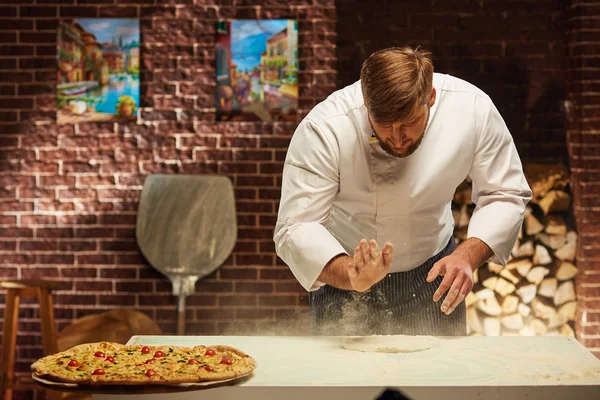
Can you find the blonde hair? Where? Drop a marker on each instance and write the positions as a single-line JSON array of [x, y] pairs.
[[394, 81]]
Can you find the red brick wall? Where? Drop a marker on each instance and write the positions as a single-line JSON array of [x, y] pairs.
[[584, 149], [68, 194], [514, 50]]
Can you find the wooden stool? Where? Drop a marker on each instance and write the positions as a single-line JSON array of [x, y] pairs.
[[15, 289]]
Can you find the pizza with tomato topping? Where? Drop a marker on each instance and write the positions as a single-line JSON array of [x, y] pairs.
[[107, 363]]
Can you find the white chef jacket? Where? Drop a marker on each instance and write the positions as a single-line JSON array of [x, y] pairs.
[[339, 186]]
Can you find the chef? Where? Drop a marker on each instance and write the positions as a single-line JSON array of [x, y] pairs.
[[365, 221]]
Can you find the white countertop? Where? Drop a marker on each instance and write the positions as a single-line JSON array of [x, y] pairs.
[[462, 365]]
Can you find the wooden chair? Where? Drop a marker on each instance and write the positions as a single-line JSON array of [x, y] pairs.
[[15, 289]]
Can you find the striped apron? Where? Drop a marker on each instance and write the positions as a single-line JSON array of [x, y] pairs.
[[400, 304]]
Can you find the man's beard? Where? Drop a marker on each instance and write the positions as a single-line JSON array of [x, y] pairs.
[[413, 147], [387, 148]]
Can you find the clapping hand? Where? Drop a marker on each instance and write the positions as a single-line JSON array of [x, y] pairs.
[[370, 265]]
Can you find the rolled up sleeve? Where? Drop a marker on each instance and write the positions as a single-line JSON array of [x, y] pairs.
[[500, 190], [309, 185]]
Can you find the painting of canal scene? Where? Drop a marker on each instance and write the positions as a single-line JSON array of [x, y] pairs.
[[98, 70], [257, 70]]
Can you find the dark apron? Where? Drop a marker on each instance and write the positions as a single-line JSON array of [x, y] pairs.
[[401, 304]]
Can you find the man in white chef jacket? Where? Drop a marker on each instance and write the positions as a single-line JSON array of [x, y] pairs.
[[365, 221]]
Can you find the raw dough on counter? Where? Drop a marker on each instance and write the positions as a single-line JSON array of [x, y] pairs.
[[388, 343]]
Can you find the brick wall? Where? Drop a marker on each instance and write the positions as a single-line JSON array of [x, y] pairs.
[[68, 194], [514, 50], [584, 149]]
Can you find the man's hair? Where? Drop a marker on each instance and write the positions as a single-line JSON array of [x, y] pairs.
[[394, 81]]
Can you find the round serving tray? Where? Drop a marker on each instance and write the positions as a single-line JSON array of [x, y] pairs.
[[136, 388]]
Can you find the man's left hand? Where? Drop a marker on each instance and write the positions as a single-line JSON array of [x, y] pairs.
[[458, 277]]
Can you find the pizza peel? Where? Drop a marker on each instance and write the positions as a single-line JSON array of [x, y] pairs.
[[186, 228]]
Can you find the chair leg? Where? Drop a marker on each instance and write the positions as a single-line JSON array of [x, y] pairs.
[[9, 342], [47, 321], [48, 331]]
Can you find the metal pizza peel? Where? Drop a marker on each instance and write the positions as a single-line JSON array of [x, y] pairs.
[[186, 228]]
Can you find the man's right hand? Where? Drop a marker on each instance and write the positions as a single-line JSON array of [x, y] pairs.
[[370, 265]]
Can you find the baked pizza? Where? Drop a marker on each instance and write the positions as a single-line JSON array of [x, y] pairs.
[[107, 363]]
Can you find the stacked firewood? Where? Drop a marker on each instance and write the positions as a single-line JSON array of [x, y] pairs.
[[534, 294]]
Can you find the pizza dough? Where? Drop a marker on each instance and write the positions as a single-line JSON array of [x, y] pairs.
[[388, 343]]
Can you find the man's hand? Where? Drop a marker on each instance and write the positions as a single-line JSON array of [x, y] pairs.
[[457, 270], [370, 265], [458, 277]]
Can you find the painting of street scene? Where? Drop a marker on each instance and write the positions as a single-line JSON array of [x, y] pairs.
[[257, 70], [98, 70]]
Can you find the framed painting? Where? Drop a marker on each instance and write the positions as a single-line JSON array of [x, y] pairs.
[[98, 70], [257, 70]]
